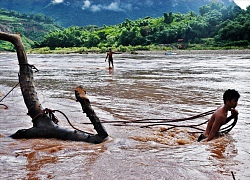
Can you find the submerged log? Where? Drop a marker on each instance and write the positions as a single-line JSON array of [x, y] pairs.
[[43, 125]]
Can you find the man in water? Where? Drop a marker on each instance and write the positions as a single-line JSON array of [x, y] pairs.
[[110, 57], [219, 117]]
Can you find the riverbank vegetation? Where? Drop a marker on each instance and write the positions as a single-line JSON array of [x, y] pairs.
[[215, 27]]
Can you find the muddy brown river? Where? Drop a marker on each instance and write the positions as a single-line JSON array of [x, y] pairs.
[[144, 85]]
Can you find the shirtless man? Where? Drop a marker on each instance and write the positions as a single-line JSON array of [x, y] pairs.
[[219, 117], [110, 57]]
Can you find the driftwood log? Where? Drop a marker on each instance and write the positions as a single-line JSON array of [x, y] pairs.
[[43, 125]]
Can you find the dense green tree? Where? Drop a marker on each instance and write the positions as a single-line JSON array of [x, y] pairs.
[[168, 18], [131, 37], [93, 40], [232, 32]]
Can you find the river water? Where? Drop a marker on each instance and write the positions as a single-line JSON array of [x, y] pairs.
[[143, 85]]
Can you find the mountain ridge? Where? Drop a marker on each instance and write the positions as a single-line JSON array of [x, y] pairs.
[[82, 13]]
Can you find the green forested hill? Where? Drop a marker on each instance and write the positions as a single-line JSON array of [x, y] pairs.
[[32, 27], [104, 12], [216, 26]]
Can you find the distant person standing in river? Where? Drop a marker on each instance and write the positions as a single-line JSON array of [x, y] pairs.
[[110, 57], [219, 117]]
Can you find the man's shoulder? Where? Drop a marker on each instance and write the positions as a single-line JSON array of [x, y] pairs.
[[220, 117]]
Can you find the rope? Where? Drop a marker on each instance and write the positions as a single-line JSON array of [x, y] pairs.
[[177, 120], [227, 129], [156, 122], [9, 92], [170, 122], [32, 66], [51, 115], [5, 107], [233, 175]]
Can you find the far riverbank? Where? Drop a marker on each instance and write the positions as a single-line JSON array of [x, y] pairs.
[[176, 52], [231, 51]]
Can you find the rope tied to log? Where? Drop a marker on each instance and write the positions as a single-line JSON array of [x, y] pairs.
[[51, 115], [30, 65], [48, 112]]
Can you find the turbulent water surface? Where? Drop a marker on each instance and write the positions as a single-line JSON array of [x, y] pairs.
[[144, 85]]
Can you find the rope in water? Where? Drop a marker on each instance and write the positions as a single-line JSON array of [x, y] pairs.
[[172, 123], [6, 107], [9, 92], [157, 121]]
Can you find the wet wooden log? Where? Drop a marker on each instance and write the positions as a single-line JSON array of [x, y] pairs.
[[43, 125]]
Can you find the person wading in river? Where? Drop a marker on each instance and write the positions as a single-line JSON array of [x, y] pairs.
[[110, 57], [219, 117]]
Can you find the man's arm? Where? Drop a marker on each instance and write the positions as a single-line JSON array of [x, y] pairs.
[[106, 57], [215, 128]]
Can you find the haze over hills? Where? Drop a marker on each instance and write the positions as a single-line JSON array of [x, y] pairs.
[[98, 12]]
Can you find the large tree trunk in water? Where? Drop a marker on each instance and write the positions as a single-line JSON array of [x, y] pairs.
[[43, 125]]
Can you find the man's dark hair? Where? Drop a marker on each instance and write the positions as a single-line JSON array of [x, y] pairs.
[[230, 94]]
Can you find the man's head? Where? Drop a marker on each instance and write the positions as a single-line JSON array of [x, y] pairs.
[[230, 94]]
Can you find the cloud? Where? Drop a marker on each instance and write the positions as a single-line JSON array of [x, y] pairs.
[[86, 4], [57, 1], [96, 8], [116, 5]]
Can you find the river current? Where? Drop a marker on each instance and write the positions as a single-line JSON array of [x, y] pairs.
[[145, 85]]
